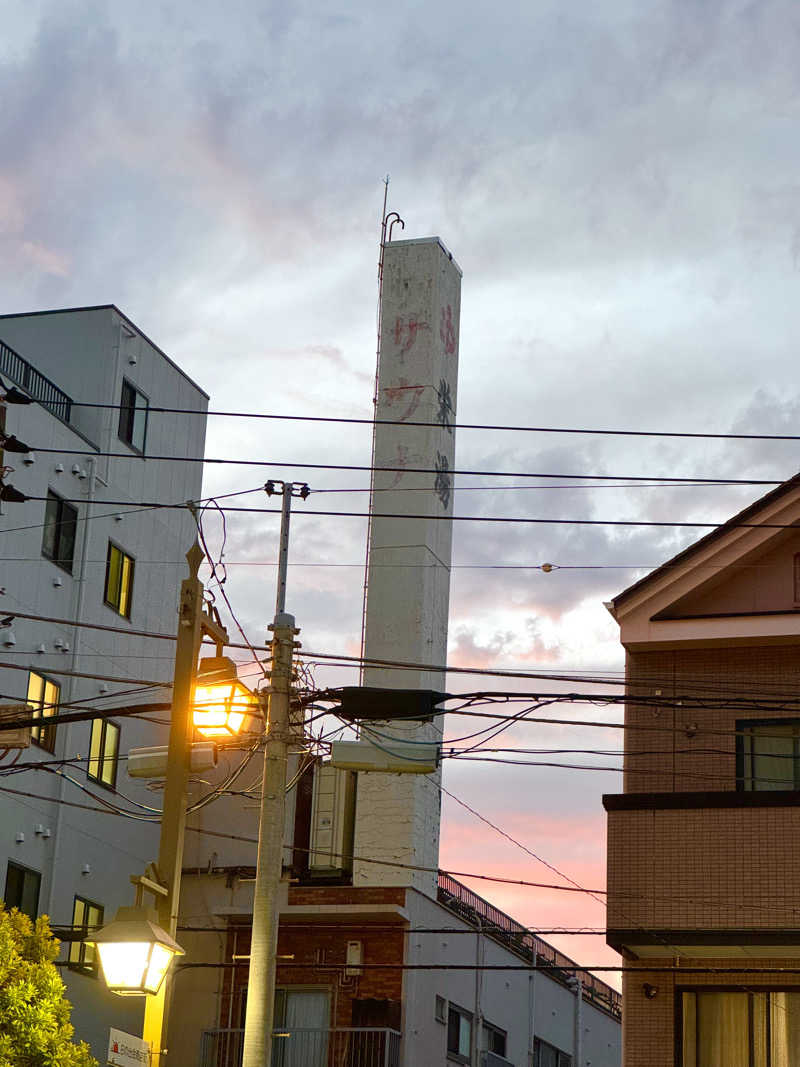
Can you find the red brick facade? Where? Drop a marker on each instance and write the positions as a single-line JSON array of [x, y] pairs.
[[312, 952]]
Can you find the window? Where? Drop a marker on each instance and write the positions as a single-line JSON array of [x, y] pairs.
[[119, 580], [494, 1039], [301, 1010], [103, 752], [22, 889], [740, 1028], [133, 416], [43, 697], [768, 754], [58, 540], [459, 1034], [86, 917], [545, 1055]]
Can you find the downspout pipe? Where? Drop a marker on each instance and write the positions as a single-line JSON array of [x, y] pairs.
[[76, 640]]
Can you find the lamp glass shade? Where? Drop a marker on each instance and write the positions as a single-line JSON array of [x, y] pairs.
[[221, 702], [134, 952]]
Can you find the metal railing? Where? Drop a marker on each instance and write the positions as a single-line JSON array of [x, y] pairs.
[[34, 382], [358, 1046], [501, 927]]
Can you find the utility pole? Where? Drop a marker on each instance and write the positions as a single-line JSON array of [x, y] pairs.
[[259, 1015], [192, 624]]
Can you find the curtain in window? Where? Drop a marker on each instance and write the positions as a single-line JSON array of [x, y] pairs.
[[741, 1029], [306, 1018]]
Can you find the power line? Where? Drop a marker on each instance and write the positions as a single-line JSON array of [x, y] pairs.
[[124, 712], [93, 626], [95, 677], [366, 468], [492, 519], [352, 421], [518, 844]]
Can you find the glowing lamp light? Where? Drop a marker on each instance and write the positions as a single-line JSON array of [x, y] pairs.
[[222, 704], [135, 952]]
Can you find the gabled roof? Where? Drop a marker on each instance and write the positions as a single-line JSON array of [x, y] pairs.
[[745, 517]]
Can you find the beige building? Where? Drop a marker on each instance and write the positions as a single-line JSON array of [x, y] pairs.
[[704, 842]]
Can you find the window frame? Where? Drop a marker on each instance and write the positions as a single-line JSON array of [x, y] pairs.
[[25, 871], [491, 1034], [103, 758], [563, 1059], [750, 990], [43, 736], [59, 524], [116, 603], [127, 416], [454, 1054], [79, 951], [744, 752]]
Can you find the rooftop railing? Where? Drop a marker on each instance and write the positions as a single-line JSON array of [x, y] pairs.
[[507, 931], [35, 383]]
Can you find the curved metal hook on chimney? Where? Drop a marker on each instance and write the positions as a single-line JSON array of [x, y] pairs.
[[391, 225]]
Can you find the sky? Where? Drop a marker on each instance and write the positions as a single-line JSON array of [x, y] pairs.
[[620, 184]]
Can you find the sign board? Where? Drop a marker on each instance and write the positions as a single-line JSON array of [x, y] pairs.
[[20, 737], [124, 1050]]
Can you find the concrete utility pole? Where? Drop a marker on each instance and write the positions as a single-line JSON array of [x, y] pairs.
[[192, 623], [259, 1016]]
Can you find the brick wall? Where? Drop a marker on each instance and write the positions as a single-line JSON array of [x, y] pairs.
[[704, 868], [321, 946], [345, 894], [649, 1026], [677, 749]]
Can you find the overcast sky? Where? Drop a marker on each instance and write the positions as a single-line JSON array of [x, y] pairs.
[[620, 185]]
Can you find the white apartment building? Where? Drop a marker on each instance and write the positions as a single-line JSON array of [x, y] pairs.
[[83, 550]]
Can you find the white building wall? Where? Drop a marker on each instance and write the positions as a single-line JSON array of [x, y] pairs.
[[89, 852], [509, 1000], [397, 816]]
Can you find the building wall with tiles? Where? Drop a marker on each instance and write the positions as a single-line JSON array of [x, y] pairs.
[[651, 1027], [704, 868], [690, 748]]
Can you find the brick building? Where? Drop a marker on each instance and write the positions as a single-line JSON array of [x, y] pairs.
[[703, 844]]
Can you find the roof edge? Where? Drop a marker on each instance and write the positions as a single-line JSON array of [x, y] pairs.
[[122, 315], [725, 527]]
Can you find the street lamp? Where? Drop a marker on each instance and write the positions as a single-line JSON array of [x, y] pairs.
[[135, 952], [221, 702]]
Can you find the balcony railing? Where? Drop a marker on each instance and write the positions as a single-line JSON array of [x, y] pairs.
[[501, 927], [298, 1047], [34, 382]]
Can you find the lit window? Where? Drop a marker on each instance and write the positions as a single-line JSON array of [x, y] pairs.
[[119, 580], [43, 697], [86, 918], [459, 1034], [103, 752], [58, 540], [133, 410], [22, 889], [768, 754]]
